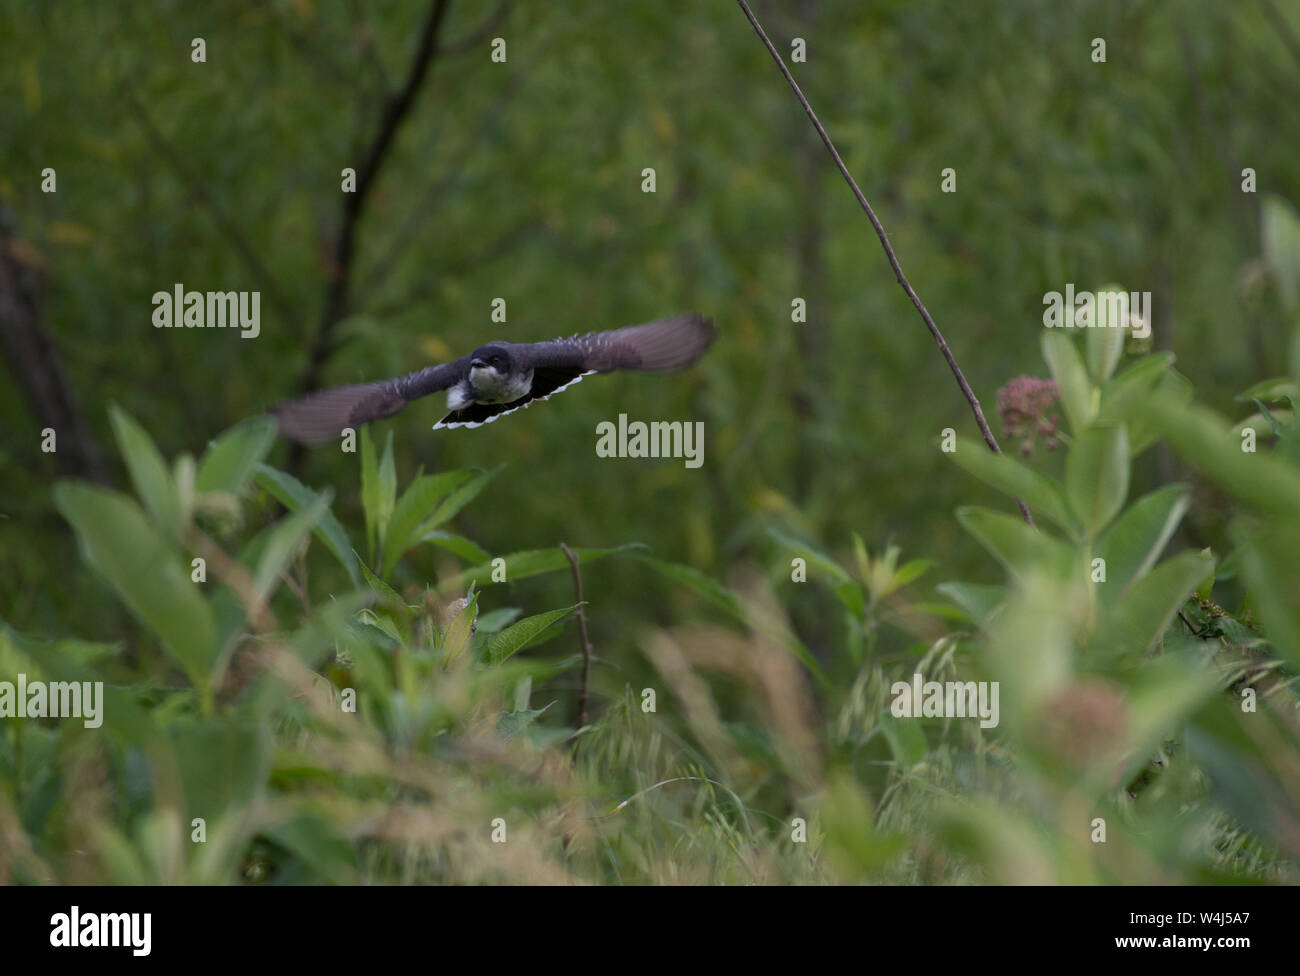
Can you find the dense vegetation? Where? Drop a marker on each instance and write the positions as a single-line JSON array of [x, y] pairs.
[[375, 672]]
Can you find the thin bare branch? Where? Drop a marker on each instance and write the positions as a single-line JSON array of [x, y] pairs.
[[884, 242], [395, 112]]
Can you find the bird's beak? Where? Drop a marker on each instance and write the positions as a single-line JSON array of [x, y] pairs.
[[477, 364]]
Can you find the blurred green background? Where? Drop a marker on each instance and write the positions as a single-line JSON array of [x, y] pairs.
[[522, 180]]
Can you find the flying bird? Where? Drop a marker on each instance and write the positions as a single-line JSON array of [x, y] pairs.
[[499, 378]]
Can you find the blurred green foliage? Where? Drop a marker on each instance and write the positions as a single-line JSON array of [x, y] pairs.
[[522, 180]]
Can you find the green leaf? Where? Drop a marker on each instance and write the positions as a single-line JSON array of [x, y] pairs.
[[294, 496], [459, 631], [1133, 625], [420, 500], [387, 489], [1133, 544], [976, 599], [1018, 480], [1272, 571], [229, 461], [496, 620], [149, 473], [1096, 476], [1019, 547], [465, 548], [501, 646], [379, 586], [1280, 230], [1067, 369], [529, 562], [315, 841], [1123, 397], [1104, 343], [1200, 436], [458, 499], [283, 542], [905, 737], [1274, 390], [846, 588], [703, 584], [120, 545], [369, 492]]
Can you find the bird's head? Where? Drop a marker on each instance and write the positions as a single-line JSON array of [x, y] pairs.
[[493, 360]]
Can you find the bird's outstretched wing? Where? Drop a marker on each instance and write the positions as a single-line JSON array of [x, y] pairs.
[[660, 346], [320, 417]]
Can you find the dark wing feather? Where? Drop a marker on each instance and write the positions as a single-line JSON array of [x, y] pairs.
[[546, 380], [660, 346], [320, 417]]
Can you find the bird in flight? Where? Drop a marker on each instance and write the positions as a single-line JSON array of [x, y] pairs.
[[499, 378]]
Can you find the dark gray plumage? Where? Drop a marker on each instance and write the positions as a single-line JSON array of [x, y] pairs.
[[499, 378]]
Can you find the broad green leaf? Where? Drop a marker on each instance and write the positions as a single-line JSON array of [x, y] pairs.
[[905, 737], [1104, 343], [457, 499], [1274, 390], [1067, 369], [1133, 544], [1280, 230], [379, 586], [283, 541], [846, 588], [1200, 436], [459, 631], [294, 496], [1019, 547], [1096, 476], [370, 503], [386, 492], [1124, 396], [976, 599], [120, 545], [703, 584], [529, 562], [497, 620], [229, 461], [223, 764], [420, 500], [149, 473], [121, 715], [501, 646], [465, 548], [1018, 480], [309, 836], [1143, 430], [1270, 562], [1133, 625]]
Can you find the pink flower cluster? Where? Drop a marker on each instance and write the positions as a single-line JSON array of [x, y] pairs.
[[1023, 406]]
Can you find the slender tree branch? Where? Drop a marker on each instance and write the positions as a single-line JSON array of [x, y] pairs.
[[338, 296], [33, 358], [582, 635], [435, 192], [884, 242]]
